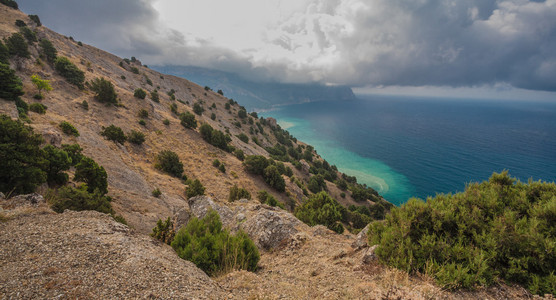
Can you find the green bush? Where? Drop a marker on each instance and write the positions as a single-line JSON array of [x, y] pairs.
[[143, 113], [495, 229], [48, 50], [166, 122], [239, 154], [242, 113], [237, 193], [243, 137], [255, 164], [74, 152], [316, 184], [35, 19], [142, 122], [169, 162], [136, 137], [156, 193], [216, 163], [17, 46], [114, 133], [214, 250], [195, 188], [155, 97], [222, 168], [68, 129], [29, 34], [79, 199], [321, 209], [273, 178], [134, 70], [266, 198], [187, 120], [164, 231], [198, 109], [10, 3], [22, 160], [69, 71], [104, 91], [10, 85], [4, 54], [20, 23], [213, 116], [94, 175], [57, 161], [214, 137], [139, 93], [85, 105]]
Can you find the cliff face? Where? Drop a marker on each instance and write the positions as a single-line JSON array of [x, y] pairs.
[[88, 255]]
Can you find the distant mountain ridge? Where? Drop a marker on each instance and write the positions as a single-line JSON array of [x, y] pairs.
[[258, 95]]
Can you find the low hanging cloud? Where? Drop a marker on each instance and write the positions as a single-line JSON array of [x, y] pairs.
[[353, 42]]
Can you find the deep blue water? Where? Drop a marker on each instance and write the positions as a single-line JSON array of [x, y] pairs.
[[416, 147]]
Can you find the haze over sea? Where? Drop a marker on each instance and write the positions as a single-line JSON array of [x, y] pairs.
[[416, 147]]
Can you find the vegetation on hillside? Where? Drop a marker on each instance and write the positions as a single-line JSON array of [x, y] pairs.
[[498, 229]]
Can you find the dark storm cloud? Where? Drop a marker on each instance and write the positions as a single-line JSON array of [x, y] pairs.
[[355, 42]]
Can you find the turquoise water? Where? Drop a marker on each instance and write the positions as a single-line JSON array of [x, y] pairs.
[[405, 147]]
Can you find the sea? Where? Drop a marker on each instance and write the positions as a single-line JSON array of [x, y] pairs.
[[407, 147]]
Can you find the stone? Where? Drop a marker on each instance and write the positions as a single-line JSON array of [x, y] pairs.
[[201, 205], [52, 137], [33, 199], [361, 239], [269, 228], [369, 255], [180, 218]]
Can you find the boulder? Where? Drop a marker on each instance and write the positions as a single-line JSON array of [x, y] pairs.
[[52, 137], [180, 218], [361, 239], [201, 205], [369, 255], [268, 228], [33, 199]]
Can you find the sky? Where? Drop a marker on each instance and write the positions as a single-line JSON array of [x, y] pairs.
[[371, 45]]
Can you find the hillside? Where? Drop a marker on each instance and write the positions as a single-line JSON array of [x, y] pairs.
[[259, 95], [88, 254]]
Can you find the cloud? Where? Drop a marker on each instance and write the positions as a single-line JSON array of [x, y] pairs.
[[354, 42]]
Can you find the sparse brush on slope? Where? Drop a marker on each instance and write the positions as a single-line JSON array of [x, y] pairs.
[[496, 229]]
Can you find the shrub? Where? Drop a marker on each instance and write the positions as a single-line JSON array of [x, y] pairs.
[[48, 50], [316, 184], [29, 34], [79, 199], [242, 113], [142, 122], [196, 188], [273, 178], [156, 193], [4, 54], [104, 91], [20, 23], [164, 231], [68, 129], [85, 105], [74, 152], [69, 71], [17, 46], [154, 96], [495, 229], [148, 80], [198, 109], [237, 193], [214, 137], [220, 92], [22, 159], [216, 163], [139, 93], [255, 164], [88, 171], [10, 85], [10, 3], [41, 84], [213, 116], [114, 133], [227, 106], [239, 154], [143, 113], [321, 209], [136, 137], [166, 122], [35, 19], [169, 162], [134, 70], [214, 250], [243, 137], [38, 108], [222, 168], [57, 162], [187, 120], [266, 198]]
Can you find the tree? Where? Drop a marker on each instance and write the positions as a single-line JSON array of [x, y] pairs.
[[255, 164], [196, 188], [88, 171], [10, 85], [188, 120], [21, 159], [35, 19], [57, 162], [48, 50], [17, 46], [10, 3], [41, 84], [4, 54], [237, 193], [273, 178], [104, 90], [69, 71], [198, 109], [242, 113], [169, 162]]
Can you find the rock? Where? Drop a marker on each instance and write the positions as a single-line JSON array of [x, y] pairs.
[[321, 230], [52, 137], [33, 199], [272, 122], [369, 255], [269, 228], [180, 218], [361, 239], [200, 206], [304, 166], [240, 217]]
